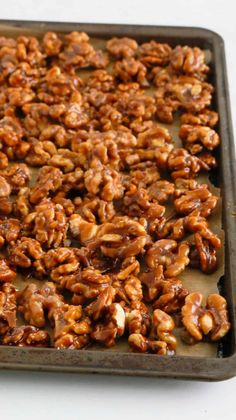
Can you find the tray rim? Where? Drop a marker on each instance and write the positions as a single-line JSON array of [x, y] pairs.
[[187, 367]]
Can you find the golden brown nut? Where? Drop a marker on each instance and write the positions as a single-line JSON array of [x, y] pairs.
[[188, 60], [9, 230], [170, 254], [217, 306], [137, 318], [122, 47], [164, 325], [51, 44], [86, 284], [26, 336], [49, 179], [33, 302], [113, 326], [17, 175], [7, 307], [205, 117], [48, 223], [197, 137], [154, 54], [200, 321], [24, 252], [71, 328], [120, 239], [141, 344], [6, 273]]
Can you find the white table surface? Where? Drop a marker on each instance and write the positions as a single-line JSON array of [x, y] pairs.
[[43, 396]]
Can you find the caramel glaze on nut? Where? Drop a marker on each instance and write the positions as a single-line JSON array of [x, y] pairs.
[[87, 177]]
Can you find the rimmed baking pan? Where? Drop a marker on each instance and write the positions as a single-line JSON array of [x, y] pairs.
[[223, 365]]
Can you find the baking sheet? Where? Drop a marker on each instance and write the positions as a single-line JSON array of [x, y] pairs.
[[116, 362]]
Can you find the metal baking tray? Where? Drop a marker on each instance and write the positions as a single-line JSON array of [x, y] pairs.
[[223, 366]]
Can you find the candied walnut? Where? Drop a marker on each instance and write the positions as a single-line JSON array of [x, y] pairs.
[[122, 47], [200, 199], [165, 109], [61, 262], [129, 289], [49, 180], [7, 307], [24, 252], [55, 133], [183, 165], [152, 281], [141, 344], [17, 175], [161, 191], [135, 104], [103, 147], [129, 266], [6, 273], [9, 230], [154, 53], [164, 325], [28, 49], [48, 223], [36, 118], [171, 296], [200, 321], [25, 76], [6, 206], [188, 60], [5, 188], [197, 137], [170, 254], [86, 284], [204, 255], [22, 205], [65, 160], [26, 336], [99, 59], [97, 308], [76, 51], [93, 209], [33, 302], [51, 44], [205, 117], [19, 96], [11, 131], [100, 80], [72, 181], [130, 69], [71, 329], [217, 306], [105, 181], [112, 327], [155, 145], [182, 92], [136, 203], [143, 174], [81, 229], [3, 161], [66, 203], [137, 318], [122, 238], [58, 85], [40, 152]]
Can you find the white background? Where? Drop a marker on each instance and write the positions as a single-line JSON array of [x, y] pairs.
[[42, 396]]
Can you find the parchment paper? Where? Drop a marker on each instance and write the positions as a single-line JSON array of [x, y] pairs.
[[194, 280]]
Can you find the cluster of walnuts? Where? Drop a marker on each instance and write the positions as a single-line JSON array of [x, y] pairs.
[[92, 224]]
